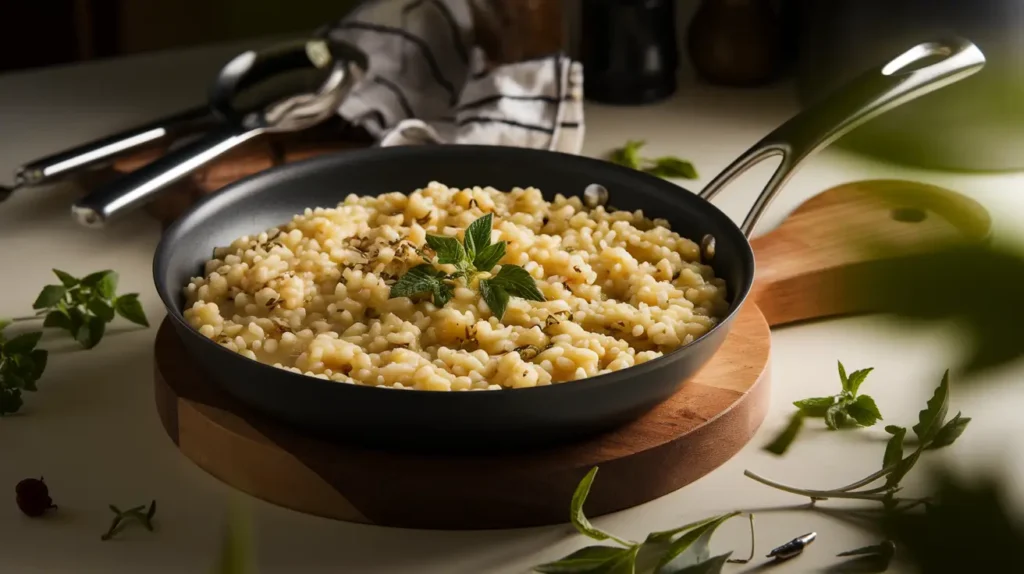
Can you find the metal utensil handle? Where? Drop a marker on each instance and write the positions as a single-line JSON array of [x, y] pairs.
[[867, 96], [97, 152], [138, 187]]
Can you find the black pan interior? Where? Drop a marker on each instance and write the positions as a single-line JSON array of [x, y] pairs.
[[390, 417]]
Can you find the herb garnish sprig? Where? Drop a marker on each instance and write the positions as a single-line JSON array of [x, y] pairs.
[[122, 518], [474, 256], [664, 167], [845, 409], [83, 307], [682, 549], [21, 365], [933, 432]]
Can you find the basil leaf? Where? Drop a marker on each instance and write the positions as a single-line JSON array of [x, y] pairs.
[[442, 292], [90, 332], [10, 401], [67, 279], [691, 548], [517, 282], [449, 250], [103, 282], [591, 559], [490, 256], [894, 448], [495, 297], [931, 418], [672, 167], [856, 379], [57, 319], [815, 407], [22, 344], [76, 318], [835, 416], [129, 307], [628, 155], [782, 442], [49, 296], [951, 431], [101, 309], [478, 237], [579, 520], [419, 279], [710, 566], [864, 410]]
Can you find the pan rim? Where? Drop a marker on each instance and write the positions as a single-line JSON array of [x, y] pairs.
[[228, 195]]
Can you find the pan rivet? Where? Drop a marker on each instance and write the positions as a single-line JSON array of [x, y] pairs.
[[595, 195], [707, 247]]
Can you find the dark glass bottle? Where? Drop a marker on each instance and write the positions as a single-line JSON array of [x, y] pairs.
[[629, 51]]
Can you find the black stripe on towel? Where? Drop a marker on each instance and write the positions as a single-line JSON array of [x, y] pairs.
[[435, 69], [391, 87], [536, 128], [449, 17], [491, 99]]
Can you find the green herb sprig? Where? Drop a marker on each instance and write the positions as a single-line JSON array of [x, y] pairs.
[[21, 365], [933, 432], [474, 256], [122, 518], [83, 307], [683, 549], [845, 409], [664, 167]]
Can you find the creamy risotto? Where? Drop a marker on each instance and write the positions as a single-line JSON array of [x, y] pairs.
[[312, 296]]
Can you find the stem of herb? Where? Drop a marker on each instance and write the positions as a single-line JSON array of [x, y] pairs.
[[30, 318], [815, 494], [751, 557], [869, 479]]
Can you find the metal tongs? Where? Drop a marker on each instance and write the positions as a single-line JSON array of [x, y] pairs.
[[285, 88]]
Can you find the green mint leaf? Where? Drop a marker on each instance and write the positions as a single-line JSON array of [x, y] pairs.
[[592, 559], [489, 256], [628, 155], [856, 379], [90, 332], [10, 400], [443, 293], [843, 379], [951, 431], [693, 547], [666, 536], [39, 358], [672, 167], [419, 279], [712, 565], [931, 418], [893, 429], [104, 282], [495, 296], [449, 250], [835, 416], [77, 318], [101, 309], [478, 237], [894, 448], [905, 465], [781, 443], [579, 519], [815, 407], [129, 307], [863, 410], [57, 319], [49, 296], [67, 279], [22, 344], [517, 282]]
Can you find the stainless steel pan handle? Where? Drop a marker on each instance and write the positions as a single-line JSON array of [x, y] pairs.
[[867, 96]]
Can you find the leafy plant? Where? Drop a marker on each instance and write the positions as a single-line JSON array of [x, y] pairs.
[[473, 257], [933, 432], [122, 518], [684, 549], [842, 410], [664, 167], [21, 365], [83, 307]]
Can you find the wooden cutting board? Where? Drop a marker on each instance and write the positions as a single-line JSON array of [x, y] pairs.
[[801, 269]]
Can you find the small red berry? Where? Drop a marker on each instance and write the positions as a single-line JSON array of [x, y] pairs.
[[33, 497]]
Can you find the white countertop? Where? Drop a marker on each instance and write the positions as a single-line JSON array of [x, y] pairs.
[[93, 433]]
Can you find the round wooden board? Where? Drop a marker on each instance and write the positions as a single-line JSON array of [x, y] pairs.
[[702, 426]]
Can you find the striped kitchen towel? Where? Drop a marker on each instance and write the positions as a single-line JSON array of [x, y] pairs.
[[428, 84]]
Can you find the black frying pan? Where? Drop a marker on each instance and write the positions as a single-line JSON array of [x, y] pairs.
[[518, 417]]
